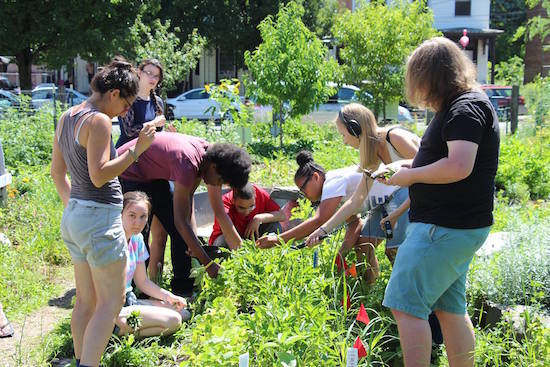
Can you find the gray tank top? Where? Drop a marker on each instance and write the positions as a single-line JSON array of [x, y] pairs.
[[76, 159]]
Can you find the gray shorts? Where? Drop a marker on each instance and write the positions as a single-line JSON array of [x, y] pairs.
[[372, 227], [93, 232]]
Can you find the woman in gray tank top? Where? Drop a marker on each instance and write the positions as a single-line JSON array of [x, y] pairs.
[[91, 226]]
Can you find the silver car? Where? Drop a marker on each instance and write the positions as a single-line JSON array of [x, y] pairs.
[[44, 96]]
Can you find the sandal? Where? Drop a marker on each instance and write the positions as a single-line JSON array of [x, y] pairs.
[[6, 330]]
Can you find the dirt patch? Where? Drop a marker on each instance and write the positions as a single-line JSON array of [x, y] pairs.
[[17, 350]]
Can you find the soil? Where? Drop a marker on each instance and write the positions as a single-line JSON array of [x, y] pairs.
[[17, 350]]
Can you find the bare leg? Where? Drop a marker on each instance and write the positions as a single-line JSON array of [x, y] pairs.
[[391, 253], [415, 338], [108, 282], [155, 320], [84, 305], [459, 337], [365, 249], [157, 247]]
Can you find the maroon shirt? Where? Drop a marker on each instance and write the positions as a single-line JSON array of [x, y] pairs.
[[171, 156]]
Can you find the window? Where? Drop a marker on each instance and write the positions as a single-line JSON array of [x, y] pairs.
[[463, 7], [198, 94]]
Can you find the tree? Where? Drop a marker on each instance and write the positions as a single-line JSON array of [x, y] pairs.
[[290, 65], [511, 17], [156, 41], [376, 39], [55, 31]]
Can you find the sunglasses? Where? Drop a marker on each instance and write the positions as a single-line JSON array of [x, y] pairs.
[[152, 75]]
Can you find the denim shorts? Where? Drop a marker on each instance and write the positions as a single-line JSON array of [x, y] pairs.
[[430, 269], [372, 227], [93, 232]]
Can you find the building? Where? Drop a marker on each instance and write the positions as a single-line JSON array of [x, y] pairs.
[[452, 17]]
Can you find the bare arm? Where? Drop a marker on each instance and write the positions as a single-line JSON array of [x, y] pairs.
[[182, 215], [151, 289], [58, 171], [349, 208], [455, 167], [98, 140], [326, 209], [232, 237]]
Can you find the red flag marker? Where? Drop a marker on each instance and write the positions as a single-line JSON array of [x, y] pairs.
[[339, 260], [352, 271], [348, 303], [362, 315], [361, 351]]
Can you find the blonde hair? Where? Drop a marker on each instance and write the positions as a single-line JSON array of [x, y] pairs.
[[436, 72], [368, 139]]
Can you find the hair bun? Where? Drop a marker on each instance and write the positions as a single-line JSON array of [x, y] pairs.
[[120, 62], [304, 157]]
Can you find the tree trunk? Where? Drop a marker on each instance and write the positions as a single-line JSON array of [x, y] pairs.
[[24, 65], [281, 117]]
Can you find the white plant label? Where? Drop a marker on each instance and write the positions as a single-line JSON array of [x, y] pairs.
[[352, 357], [244, 360]]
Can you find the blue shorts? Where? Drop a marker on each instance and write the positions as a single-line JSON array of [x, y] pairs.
[[372, 227], [430, 269], [93, 232]]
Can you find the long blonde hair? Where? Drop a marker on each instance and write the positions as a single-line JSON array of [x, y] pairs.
[[436, 72], [368, 139]]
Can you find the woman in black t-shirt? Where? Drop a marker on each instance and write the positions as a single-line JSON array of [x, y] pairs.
[[451, 187]]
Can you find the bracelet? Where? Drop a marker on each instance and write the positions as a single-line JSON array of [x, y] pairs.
[[133, 154], [324, 230], [207, 265]]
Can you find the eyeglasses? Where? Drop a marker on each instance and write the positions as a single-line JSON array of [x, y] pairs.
[[152, 75], [302, 187], [127, 102]]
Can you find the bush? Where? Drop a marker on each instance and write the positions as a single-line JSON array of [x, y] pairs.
[[518, 274], [524, 164], [26, 138]]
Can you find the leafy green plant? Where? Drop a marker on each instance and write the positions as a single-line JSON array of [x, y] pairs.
[[376, 63], [289, 66]]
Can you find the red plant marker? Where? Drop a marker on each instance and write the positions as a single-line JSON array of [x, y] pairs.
[[348, 303], [361, 351], [339, 265], [362, 315], [352, 271]]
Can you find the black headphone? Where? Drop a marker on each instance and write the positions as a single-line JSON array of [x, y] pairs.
[[353, 127]]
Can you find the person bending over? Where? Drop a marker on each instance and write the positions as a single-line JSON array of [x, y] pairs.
[[186, 160]]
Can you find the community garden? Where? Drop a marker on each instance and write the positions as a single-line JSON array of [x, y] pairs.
[[286, 306], [282, 306]]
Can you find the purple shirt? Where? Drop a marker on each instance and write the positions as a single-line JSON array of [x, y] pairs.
[[171, 156]]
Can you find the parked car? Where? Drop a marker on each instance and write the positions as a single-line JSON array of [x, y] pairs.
[[193, 104], [501, 96], [44, 95], [7, 100], [6, 84], [44, 85], [344, 95]]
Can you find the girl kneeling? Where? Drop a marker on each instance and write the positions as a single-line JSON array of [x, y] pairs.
[[163, 314]]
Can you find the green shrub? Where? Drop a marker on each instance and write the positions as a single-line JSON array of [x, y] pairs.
[[524, 163], [26, 138]]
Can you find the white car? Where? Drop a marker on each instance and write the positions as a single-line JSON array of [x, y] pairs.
[[194, 104], [44, 96]]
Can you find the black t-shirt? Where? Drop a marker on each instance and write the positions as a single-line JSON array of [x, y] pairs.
[[467, 203]]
